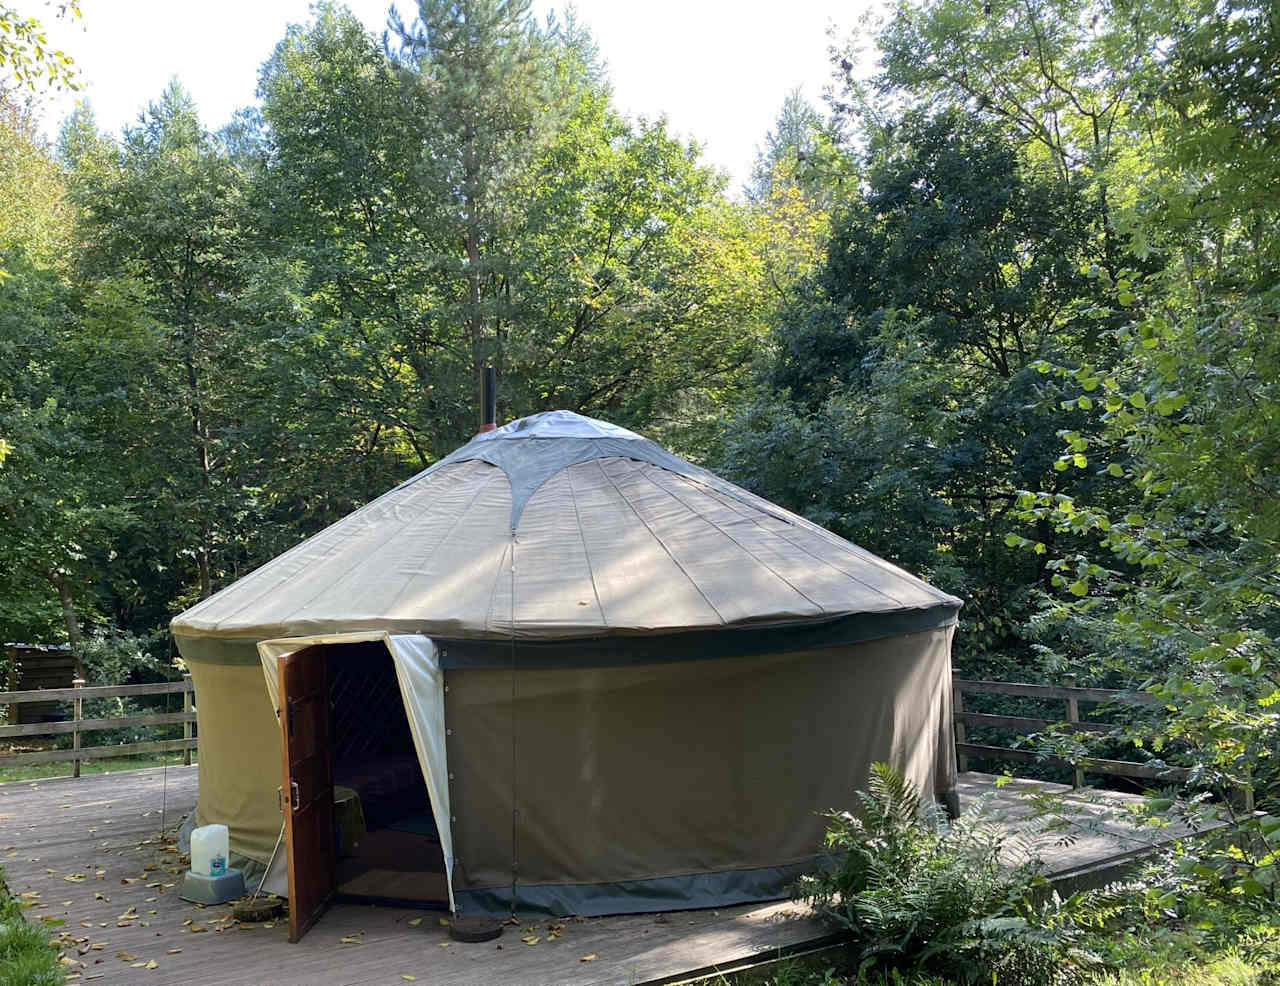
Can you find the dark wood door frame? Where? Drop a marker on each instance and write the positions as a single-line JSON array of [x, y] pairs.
[[307, 799]]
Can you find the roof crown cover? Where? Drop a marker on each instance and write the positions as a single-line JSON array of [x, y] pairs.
[[558, 526]]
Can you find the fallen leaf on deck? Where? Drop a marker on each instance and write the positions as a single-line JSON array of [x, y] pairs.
[[531, 939], [174, 951], [415, 922], [351, 940], [151, 965], [445, 944], [444, 922], [74, 877], [589, 958], [126, 956], [408, 978]]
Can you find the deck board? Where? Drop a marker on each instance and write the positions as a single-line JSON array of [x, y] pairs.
[[107, 827]]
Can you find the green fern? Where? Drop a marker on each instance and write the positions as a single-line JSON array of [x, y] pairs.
[[919, 892]]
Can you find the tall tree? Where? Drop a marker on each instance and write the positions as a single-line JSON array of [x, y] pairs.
[[484, 71], [165, 215], [903, 409]]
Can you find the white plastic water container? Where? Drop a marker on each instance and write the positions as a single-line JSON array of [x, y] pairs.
[[209, 847]]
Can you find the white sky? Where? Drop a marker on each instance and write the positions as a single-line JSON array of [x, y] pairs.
[[718, 69]]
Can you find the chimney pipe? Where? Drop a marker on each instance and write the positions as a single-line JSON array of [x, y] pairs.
[[489, 397]]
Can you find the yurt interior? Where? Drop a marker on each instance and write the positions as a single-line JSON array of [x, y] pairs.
[[386, 844]]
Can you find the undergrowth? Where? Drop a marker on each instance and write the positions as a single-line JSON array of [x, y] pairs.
[[25, 956]]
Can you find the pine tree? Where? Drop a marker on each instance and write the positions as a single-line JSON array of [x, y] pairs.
[[483, 66]]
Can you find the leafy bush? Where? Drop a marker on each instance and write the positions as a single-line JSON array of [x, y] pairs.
[[25, 956], [918, 892]]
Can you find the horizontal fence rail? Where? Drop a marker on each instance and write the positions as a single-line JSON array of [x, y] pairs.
[[77, 725], [1071, 696]]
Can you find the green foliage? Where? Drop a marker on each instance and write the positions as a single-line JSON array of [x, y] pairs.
[[920, 893], [25, 956], [282, 319], [901, 409], [27, 56]]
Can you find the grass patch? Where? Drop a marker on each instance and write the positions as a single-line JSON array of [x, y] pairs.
[[108, 765], [25, 956]]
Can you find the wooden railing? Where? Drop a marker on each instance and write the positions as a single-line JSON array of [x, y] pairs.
[[1071, 697], [78, 725]]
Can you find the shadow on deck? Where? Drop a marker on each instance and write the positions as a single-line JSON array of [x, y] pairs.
[[86, 857]]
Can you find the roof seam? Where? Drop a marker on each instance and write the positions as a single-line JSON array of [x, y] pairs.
[[275, 562], [656, 537], [847, 574], [586, 549], [769, 568], [448, 533], [396, 531], [835, 539], [508, 549]]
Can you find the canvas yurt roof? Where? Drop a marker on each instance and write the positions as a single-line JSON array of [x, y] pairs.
[[561, 527]]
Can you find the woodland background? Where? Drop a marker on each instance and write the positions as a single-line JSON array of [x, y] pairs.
[[1005, 314]]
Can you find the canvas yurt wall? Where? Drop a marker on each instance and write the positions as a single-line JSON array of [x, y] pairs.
[[654, 679]]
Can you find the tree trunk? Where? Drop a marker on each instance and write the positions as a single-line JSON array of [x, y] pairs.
[[69, 617], [199, 434], [475, 320]]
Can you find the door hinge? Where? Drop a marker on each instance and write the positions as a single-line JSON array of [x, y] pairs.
[[296, 795]]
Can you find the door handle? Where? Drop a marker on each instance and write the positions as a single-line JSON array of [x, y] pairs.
[[295, 795]]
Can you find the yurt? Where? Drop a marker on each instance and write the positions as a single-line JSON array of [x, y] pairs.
[[561, 671]]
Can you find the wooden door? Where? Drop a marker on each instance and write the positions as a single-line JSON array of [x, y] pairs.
[[308, 787]]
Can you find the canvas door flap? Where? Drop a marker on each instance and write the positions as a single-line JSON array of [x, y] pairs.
[[417, 663], [421, 679]]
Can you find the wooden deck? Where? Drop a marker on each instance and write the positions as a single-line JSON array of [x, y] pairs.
[[88, 855]]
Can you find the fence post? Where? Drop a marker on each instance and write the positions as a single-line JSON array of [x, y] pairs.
[[188, 707], [1073, 716], [957, 707], [79, 715]]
